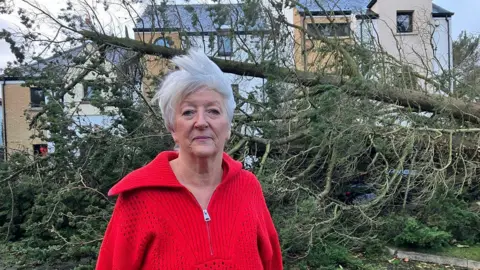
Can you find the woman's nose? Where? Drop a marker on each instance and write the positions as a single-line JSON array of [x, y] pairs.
[[201, 121]]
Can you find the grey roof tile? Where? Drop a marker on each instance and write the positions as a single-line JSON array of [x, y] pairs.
[[436, 9], [200, 18], [354, 6], [61, 62]]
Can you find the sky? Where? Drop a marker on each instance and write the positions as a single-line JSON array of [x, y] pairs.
[[466, 18], [466, 15], [54, 6], [5, 54]]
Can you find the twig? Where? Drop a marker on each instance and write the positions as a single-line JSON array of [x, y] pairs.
[[450, 151], [72, 84], [15, 174], [328, 180], [280, 141], [59, 235], [310, 166], [53, 211], [444, 130], [237, 146], [264, 158]]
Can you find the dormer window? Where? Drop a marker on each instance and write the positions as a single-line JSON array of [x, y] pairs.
[[224, 45], [224, 41], [331, 29], [404, 21]]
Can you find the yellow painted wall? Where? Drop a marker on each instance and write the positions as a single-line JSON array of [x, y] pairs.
[[16, 105], [309, 54], [156, 66]]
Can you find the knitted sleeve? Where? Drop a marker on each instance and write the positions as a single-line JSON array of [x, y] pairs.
[[269, 244], [125, 241], [276, 260]]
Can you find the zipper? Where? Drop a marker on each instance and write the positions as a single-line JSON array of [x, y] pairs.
[[207, 219]]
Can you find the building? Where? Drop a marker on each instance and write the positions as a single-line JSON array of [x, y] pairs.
[[22, 102], [19, 104], [220, 30], [415, 32], [2, 147]]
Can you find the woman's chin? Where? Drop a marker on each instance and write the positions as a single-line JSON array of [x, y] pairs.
[[204, 151]]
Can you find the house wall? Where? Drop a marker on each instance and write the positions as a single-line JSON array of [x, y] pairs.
[[299, 53], [245, 84], [158, 66], [17, 107], [411, 48], [308, 53], [442, 45], [83, 108], [155, 65], [365, 31]]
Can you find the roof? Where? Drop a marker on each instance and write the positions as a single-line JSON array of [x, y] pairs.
[[200, 18], [347, 7], [59, 59], [438, 11], [63, 60], [67, 58]]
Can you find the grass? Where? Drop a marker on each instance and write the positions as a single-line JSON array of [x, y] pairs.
[[470, 253], [387, 262]]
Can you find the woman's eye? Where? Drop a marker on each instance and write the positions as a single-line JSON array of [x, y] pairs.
[[188, 113], [214, 111]]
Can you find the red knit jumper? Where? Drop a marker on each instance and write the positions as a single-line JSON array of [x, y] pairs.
[[158, 224]]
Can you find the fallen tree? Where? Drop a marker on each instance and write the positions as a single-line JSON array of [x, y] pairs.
[[416, 100]]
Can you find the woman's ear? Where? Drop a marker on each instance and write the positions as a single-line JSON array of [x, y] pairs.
[[174, 135]]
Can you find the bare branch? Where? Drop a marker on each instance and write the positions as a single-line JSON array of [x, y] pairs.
[[275, 142]]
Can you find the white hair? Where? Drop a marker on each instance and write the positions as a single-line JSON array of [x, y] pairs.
[[196, 71]]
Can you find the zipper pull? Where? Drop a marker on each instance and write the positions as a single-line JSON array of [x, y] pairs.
[[206, 216]]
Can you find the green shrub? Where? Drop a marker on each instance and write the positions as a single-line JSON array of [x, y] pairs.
[[454, 216], [330, 256], [417, 235], [373, 248]]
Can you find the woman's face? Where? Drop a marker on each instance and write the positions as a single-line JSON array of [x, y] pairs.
[[201, 125]]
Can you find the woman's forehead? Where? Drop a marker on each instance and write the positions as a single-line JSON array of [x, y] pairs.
[[200, 102], [204, 97]]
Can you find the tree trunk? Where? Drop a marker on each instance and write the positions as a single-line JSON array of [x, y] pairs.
[[419, 101]]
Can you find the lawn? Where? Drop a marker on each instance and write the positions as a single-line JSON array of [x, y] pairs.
[[470, 253]]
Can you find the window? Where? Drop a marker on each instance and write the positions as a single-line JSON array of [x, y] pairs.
[[40, 149], [37, 97], [162, 42], [224, 45], [404, 21], [87, 91], [331, 29]]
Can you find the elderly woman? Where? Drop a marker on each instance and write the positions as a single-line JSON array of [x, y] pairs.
[[194, 208]]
